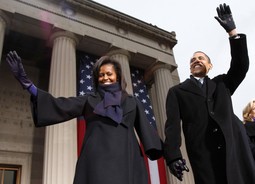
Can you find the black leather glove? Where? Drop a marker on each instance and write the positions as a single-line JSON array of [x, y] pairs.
[[225, 17], [17, 69], [177, 167]]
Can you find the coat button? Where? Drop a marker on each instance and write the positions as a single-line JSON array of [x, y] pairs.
[[219, 147], [212, 113], [215, 130]]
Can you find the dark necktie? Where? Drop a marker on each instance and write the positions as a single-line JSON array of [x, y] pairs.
[[199, 83]]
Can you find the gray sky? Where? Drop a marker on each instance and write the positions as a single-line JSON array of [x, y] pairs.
[[197, 29]]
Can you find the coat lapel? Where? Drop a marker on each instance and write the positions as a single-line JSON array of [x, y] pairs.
[[191, 86], [128, 105], [94, 99], [211, 86]]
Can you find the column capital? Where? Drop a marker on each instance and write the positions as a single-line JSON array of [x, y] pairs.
[[62, 33], [119, 51], [149, 73]]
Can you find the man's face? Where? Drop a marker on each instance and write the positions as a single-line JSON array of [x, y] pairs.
[[199, 65]]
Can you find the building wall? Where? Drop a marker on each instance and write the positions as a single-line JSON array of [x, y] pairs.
[[20, 142]]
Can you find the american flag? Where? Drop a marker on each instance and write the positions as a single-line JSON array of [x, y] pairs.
[[156, 169]]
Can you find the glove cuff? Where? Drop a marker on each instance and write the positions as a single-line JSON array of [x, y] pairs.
[[32, 90]]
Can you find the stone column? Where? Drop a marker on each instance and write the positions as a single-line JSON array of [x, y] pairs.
[[3, 22], [61, 139], [122, 56], [162, 82], [152, 94]]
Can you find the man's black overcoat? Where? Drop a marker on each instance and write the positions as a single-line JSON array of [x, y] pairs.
[[110, 153], [209, 124]]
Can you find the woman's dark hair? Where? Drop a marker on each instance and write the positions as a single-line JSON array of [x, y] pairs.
[[108, 60]]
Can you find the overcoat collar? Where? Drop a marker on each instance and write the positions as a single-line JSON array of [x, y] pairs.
[[191, 86]]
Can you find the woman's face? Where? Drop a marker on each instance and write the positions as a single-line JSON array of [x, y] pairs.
[[107, 74]]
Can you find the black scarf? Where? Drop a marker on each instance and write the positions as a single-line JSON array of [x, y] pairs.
[[110, 105]]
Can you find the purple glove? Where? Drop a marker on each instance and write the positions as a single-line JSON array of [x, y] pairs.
[[225, 17], [17, 69], [177, 167]]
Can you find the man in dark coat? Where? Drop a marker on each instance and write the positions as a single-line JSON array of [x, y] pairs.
[[215, 138]]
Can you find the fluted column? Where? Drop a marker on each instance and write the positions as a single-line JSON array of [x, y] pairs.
[[162, 82], [61, 139], [3, 22], [152, 94], [122, 56]]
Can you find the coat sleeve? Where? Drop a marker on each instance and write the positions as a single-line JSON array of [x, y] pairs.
[[148, 135], [239, 63], [48, 110], [173, 139]]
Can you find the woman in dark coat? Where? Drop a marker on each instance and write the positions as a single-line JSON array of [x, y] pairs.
[[249, 124], [110, 153]]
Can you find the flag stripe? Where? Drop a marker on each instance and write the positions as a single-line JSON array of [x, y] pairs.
[[154, 172], [146, 160], [81, 129], [162, 171]]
